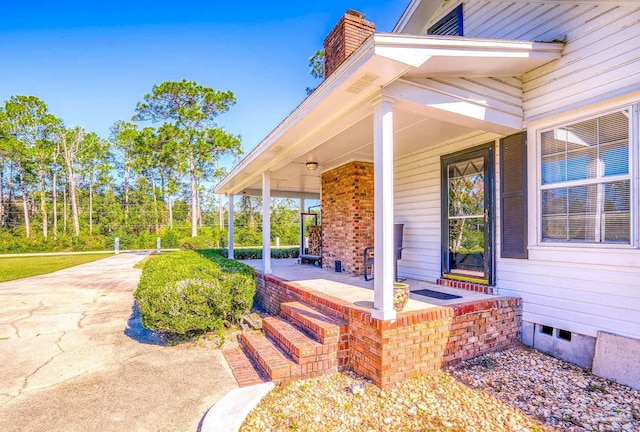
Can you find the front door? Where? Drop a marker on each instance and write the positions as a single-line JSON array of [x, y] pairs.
[[467, 215]]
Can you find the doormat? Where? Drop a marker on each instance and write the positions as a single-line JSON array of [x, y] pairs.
[[436, 294]]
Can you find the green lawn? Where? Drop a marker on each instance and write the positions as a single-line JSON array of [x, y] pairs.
[[21, 267]]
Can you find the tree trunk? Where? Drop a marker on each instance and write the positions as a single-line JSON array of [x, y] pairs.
[[74, 202], [91, 204], [198, 208], [155, 203], [64, 207], [43, 201], [54, 196], [25, 204], [194, 196], [170, 201], [126, 190]]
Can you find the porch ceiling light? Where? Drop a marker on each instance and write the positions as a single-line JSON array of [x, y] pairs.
[[312, 166]]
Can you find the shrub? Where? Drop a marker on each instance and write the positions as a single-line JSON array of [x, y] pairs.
[[190, 293], [256, 253], [198, 242]]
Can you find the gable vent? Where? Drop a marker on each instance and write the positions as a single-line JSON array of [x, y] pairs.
[[450, 25]]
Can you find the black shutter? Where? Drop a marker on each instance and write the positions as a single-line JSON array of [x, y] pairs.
[[513, 196]]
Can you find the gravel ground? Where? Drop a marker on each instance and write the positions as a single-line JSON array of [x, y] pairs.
[[553, 392], [514, 390]]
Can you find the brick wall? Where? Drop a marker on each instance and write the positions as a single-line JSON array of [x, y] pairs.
[[347, 215], [469, 286], [417, 342], [423, 341], [346, 37]]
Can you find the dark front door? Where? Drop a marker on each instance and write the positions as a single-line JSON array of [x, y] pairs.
[[467, 215]]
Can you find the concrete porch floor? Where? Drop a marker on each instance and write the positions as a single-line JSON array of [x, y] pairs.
[[356, 290]]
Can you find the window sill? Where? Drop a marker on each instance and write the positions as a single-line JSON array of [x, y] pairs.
[[587, 247]]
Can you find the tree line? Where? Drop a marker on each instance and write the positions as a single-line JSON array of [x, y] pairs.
[[63, 187]]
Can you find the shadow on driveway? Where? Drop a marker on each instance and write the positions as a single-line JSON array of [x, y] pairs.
[[136, 331]]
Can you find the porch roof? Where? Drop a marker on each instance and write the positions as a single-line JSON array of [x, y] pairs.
[[333, 125]]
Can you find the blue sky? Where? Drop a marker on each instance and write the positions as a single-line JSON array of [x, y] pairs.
[[91, 62]]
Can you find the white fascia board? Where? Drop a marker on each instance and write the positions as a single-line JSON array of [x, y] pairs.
[[414, 49], [283, 194], [417, 14], [406, 16]]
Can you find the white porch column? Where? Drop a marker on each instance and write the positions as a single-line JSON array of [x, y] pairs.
[[383, 209], [266, 223], [230, 233], [301, 228]]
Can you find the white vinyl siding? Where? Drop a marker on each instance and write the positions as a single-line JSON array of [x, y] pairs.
[[417, 205], [576, 289], [601, 55], [581, 289]]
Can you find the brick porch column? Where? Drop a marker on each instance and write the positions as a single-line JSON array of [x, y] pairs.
[[266, 223], [383, 209], [230, 233]]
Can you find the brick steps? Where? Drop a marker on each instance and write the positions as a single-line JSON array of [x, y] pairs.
[[243, 369], [302, 343], [295, 343], [270, 359], [324, 328]]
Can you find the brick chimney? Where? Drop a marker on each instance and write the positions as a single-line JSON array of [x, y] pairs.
[[346, 37]]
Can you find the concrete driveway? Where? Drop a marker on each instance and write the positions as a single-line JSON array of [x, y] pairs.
[[73, 358]]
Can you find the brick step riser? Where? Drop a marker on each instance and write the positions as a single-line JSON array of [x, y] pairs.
[[275, 373], [323, 333], [335, 331], [244, 370], [300, 356]]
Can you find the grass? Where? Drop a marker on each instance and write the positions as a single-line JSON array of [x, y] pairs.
[[22, 267], [140, 264]]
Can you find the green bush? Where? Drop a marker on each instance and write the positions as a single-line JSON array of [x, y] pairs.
[[190, 293], [256, 253]]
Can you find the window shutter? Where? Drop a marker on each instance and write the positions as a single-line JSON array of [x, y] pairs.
[[513, 196]]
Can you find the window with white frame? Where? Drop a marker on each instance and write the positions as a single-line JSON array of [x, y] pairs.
[[585, 181]]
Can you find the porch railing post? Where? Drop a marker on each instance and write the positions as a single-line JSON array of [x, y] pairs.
[[230, 233], [266, 223], [383, 209]]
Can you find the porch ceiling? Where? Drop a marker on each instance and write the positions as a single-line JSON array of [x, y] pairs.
[[334, 125], [413, 131]]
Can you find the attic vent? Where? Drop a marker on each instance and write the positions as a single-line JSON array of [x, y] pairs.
[[363, 82], [450, 25]]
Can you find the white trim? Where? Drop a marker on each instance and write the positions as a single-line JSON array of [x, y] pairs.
[[447, 106], [632, 176], [388, 56], [266, 223], [230, 233], [383, 209], [282, 194], [406, 16]]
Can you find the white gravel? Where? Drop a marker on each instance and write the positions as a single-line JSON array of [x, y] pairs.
[[552, 391], [519, 389]]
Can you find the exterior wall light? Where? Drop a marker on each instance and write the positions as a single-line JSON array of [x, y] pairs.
[[312, 166]]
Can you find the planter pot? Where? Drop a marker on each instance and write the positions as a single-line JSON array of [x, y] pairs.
[[400, 295]]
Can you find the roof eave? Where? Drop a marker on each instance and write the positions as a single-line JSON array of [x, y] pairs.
[[407, 50]]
